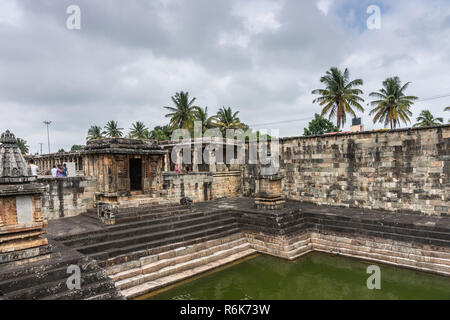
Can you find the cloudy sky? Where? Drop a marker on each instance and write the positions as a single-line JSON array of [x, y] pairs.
[[260, 57]]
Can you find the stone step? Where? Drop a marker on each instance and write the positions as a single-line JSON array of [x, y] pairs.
[[133, 237], [177, 236], [179, 214], [54, 287], [56, 260], [158, 261], [135, 211], [87, 291], [36, 279], [136, 255], [153, 272], [151, 209], [149, 286], [149, 215], [110, 295], [395, 254], [154, 219], [71, 240], [153, 203], [168, 216], [138, 228]]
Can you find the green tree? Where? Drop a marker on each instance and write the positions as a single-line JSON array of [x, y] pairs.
[[163, 133], [139, 131], [251, 135], [61, 150], [227, 119], [447, 109], [391, 104], [183, 114], [76, 147], [319, 125], [95, 132], [202, 116], [112, 129], [23, 145], [339, 96], [426, 119]]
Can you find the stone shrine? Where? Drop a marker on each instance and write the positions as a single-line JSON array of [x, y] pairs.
[[270, 194], [21, 220]]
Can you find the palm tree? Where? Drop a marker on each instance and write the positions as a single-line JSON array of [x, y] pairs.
[[226, 119], [139, 131], [447, 109], [23, 146], [426, 119], [202, 115], [161, 133], [95, 132], [183, 114], [112, 129], [391, 104], [340, 95]]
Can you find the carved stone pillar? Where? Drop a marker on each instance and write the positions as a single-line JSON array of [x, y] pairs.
[[166, 162]]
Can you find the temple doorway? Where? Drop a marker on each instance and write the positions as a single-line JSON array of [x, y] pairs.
[[135, 174]]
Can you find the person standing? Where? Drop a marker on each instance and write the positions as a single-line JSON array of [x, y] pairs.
[[54, 171], [64, 170], [34, 168], [60, 171]]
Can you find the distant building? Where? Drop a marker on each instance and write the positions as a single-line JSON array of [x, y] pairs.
[[356, 125]]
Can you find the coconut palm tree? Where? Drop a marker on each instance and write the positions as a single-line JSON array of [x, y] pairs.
[[202, 116], [426, 119], [161, 133], [112, 129], [139, 131], [447, 109], [226, 119], [183, 114], [23, 145], [391, 104], [339, 96], [95, 132]]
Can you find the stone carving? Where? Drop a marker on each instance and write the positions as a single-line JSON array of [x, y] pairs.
[[106, 211], [13, 167], [21, 223], [186, 202]]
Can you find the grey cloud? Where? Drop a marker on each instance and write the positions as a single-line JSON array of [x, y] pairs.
[[130, 57]]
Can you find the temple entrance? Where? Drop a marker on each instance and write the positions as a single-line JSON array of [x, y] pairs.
[[135, 174]]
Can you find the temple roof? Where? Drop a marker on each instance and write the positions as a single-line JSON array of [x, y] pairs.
[[123, 146], [13, 167]]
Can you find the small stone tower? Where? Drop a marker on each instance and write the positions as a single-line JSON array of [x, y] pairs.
[[21, 221]]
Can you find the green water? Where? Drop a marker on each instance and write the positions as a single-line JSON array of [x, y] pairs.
[[313, 276]]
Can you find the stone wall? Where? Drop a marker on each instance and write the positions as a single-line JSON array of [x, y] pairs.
[[201, 186], [226, 184], [417, 242], [66, 197], [403, 170]]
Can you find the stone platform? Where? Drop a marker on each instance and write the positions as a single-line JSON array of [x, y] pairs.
[[156, 246]]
